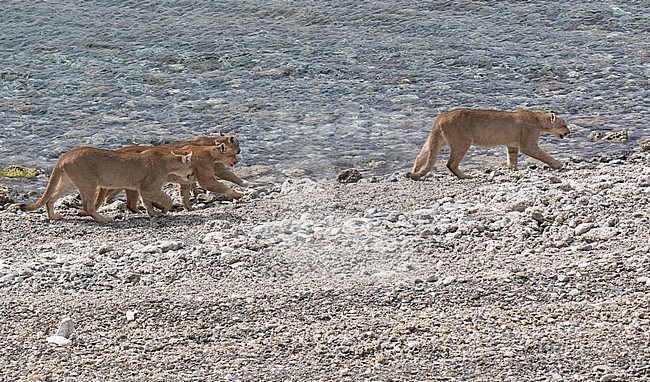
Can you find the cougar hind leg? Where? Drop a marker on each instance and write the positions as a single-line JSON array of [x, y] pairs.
[[88, 196], [157, 197], [513, 153], [63, 187], [458, 149]]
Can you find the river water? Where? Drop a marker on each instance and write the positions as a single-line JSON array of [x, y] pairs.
[[314, 85]]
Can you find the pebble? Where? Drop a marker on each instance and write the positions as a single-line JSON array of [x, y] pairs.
[[602, 233], [448, 280], [151, 248], [166, 246], [349, 176], [66, 327], [608, 378], [105, 249], [7, 278], [59, 340], [583, 228]]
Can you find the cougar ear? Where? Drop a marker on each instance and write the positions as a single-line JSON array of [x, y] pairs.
[[184, 158], [222, 148], [553, 117], [231, 139], [216, 142]]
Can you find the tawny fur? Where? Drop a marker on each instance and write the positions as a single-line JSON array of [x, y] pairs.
[[89, 169], [519, 131], [204, 159], [220, 171]]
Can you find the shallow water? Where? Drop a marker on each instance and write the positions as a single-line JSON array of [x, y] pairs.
[[319, 86]]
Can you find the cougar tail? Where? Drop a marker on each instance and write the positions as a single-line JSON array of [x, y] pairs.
[[55, 178], [426, 159]]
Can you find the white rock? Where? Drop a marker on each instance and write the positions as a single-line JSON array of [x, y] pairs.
[[383, 274], [170, 245], [583, 228], [59, 340], [136, 245], [608, 377], [7, 278], [448, 280], [130, 315], [301, 185], [212, 237], [151, 248], [602, 233]]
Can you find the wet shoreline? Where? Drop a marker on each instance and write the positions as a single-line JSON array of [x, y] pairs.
[[313, 86]]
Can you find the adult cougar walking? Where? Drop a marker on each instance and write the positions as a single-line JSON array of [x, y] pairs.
[[90, 169], [518, 130]]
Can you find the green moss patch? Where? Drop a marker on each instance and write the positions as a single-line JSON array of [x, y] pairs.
[[18, 172]]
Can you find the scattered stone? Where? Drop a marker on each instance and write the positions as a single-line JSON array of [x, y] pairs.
[[645, 145], [6, 196], [448, 280], [349, 176], [538, 217], [600, 368], [7, 278], [518, 207], [432, 279], [298, 186], [166, 246], [151, 248], [59, 340], [62, 336], [601, 233], [583, 228], [343, 256], [609, 378], [66, 327], [105, 249], [614, 136], [278, 72]]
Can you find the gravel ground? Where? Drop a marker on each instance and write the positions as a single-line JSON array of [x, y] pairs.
[[536, 275]]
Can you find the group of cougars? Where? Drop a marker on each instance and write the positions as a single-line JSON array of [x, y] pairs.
[[99, 175]]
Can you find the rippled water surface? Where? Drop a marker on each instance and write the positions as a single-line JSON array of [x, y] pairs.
[[319, 86]]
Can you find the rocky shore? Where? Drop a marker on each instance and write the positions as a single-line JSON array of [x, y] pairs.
[[510, 276]]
